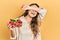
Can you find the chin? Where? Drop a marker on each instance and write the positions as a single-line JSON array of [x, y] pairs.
[[32, 16]]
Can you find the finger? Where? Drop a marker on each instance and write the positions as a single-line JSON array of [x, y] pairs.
[[25, 7], [22, 6], [11, 27]]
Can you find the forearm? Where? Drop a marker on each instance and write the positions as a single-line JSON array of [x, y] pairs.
[[13, 35], [42, 13]]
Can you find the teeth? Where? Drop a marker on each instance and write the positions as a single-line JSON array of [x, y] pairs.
[[33, 13]]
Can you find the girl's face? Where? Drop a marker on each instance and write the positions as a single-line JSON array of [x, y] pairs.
[[32, 13]]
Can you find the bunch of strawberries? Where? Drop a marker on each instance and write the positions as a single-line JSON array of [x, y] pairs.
[[15, 23]]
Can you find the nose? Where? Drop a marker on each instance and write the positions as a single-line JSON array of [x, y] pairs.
[[34, 11]]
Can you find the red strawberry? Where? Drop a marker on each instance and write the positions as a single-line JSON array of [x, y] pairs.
[[11, 23], [20, 22], [16, 24]]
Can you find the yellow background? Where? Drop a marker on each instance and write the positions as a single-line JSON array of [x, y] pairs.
[[50, 28]]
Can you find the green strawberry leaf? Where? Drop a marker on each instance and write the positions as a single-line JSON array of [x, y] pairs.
[[13, 20]]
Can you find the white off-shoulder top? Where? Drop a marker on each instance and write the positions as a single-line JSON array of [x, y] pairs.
[[24, 32]]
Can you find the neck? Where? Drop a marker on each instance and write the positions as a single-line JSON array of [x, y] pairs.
[[28, 18]]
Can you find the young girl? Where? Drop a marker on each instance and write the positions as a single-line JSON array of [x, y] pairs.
[[31, 20]]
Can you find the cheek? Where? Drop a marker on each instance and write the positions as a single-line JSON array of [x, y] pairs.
[[36, 13]]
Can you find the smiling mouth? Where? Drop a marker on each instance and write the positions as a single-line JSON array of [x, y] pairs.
[[32, 13]]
